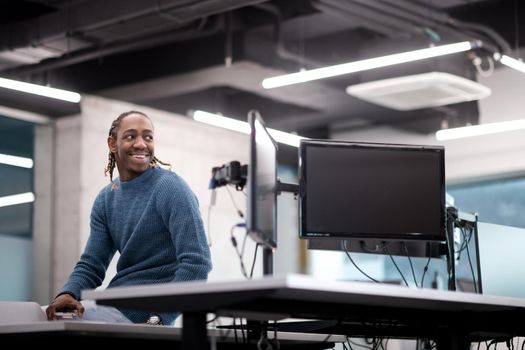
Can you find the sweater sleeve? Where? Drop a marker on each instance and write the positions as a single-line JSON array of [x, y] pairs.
[[90, 270], [180, 211]]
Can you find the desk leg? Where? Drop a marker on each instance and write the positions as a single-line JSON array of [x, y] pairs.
[[450, 341], [194, 335]]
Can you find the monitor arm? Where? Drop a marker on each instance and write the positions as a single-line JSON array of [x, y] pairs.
[[286, 187], [233, 173]]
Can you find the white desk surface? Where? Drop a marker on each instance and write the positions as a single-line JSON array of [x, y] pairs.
[[305, 288], [134, 330], [86, 328]]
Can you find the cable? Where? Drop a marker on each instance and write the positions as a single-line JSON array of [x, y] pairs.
[[381, 343], [243, 244], [275, 338], [493, 342], [450, 251], [348, 342], [235, 204], [466, 241], [343, 243], [326, 338], [239, 253], [213, 319], [410, 261], [425, 269], [435, 37], [244, 341], [356, 344], [469, 259], [235, 331], [254, 259], [397, 267], [263, 341], [377, 343]]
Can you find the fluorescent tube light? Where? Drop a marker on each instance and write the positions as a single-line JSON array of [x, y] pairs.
[[371, 63], [478, 130], [512, 63], [21, 198], [16, 161], [40, 90], [244, 127], [223, 122]]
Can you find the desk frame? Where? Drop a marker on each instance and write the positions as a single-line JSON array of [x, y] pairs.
[[452, 319]]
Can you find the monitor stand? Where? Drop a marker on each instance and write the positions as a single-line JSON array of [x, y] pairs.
[[259, 329]]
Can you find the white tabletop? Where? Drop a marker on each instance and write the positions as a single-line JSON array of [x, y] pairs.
[[305, 288], [142, 331]]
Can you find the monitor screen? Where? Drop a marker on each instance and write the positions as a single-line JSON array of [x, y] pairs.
[[262, 180], [371, 190]]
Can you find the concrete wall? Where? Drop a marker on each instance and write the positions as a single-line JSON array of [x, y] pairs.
[[43, 213], [67, 196]]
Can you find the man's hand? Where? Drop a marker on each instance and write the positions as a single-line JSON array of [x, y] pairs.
[[64, 302]]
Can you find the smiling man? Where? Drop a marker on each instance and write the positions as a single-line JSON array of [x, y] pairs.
[[150, 216]]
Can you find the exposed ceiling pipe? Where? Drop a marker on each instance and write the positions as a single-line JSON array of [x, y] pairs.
[[421, 10], [363, 22], [280, 49], [372, 15], [95, 15], [115, 48], [405, 15], [131, 10], [432, 18], [497, 39], [427, 14]]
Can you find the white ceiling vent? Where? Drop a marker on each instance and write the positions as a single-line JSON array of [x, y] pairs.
[[419, 91]]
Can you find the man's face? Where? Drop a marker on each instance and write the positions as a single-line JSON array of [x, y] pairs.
[[134, 147]]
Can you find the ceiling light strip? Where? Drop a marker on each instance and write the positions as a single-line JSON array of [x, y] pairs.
[[479, 130], [16, 161], [244, 127], [223, 122], [20, 198], [513, 63], [46, 91], [371, 63]]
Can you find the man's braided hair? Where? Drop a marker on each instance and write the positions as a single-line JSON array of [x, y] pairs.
[[115, 125]]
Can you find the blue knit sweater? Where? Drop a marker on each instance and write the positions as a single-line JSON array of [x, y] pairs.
[[154, 222]]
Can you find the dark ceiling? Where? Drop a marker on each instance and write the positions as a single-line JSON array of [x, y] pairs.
[[182, 55]]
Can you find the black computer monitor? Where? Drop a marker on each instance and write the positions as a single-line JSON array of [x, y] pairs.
[[371, 190], [261, 219]]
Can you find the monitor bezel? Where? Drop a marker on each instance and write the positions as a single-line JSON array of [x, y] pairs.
[[252, 225], [303, 234]]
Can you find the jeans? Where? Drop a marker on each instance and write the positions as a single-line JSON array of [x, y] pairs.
[[94, 312]]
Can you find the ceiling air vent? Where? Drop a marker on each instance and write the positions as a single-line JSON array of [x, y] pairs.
[[419, 91]]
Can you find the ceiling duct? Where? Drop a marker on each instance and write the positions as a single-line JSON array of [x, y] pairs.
[[96, 24]]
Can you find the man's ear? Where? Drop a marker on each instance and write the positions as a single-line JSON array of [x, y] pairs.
[[112, 144]]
